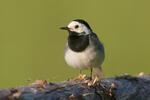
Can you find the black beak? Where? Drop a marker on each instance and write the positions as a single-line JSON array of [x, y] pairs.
[[64, 28]]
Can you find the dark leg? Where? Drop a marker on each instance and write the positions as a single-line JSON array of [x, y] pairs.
[[80, 71], [91, 74]]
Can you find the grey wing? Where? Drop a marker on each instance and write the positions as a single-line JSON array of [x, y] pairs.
[[96, 41], [101, 54]]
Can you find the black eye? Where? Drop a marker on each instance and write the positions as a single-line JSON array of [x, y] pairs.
[[76, 26]]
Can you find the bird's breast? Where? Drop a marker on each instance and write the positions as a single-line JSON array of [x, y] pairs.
[[90, 57]]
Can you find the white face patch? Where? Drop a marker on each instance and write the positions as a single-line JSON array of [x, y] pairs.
[[78, 27]]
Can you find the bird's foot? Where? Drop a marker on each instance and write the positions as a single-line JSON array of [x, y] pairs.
[[93, 80]]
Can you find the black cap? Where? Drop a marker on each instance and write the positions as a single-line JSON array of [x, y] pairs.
[[83, 22]]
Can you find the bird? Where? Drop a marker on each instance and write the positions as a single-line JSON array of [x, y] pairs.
[[83, 49]]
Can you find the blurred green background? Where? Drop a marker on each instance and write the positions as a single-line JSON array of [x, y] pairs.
[[32, 46]]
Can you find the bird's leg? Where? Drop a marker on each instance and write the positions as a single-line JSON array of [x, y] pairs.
[[91, 74], [80, 71]]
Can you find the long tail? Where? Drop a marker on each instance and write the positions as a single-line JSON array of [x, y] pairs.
[[99, 71]]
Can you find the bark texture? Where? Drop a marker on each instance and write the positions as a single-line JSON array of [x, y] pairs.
[[124, 87]]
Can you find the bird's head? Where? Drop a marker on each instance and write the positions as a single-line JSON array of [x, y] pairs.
[[79, 27]]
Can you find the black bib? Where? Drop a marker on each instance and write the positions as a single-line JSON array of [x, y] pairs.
[[78, 41]]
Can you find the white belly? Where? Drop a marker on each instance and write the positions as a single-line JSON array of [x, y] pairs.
[[83, 60]]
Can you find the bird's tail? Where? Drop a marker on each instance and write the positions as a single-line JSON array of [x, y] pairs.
[[99, 71]]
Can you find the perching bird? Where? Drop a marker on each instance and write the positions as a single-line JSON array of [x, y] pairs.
[[83, 49]]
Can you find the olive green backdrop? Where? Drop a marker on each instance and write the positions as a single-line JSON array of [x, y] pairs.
[[31, 44]]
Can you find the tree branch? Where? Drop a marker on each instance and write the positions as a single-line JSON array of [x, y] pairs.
[[124, 87]]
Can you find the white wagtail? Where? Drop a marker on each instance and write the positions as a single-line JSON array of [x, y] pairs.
[[83, 49]]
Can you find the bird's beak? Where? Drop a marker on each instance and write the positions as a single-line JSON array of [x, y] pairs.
[[64, 28]]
